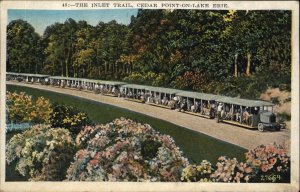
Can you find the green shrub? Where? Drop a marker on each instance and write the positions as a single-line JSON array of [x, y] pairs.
[[149, 149], [68, 117], [135, 77]]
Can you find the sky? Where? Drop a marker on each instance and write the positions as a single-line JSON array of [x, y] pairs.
[[40, 19]]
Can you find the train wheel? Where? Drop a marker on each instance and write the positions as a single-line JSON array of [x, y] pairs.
[[260, 127]]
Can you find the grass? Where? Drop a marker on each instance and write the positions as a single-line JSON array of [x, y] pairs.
[[196, 146]]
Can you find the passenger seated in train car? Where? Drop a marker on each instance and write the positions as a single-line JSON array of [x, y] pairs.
[[149, 98], [46, 81], [188, 105], [157, 99], [172, 104], [255, 110], [176, 100], [102, 89], [238, 115], [223, 113], [113, 90], [121, 92], [227, 108], [146, 96], [134, 94], [196, 107], [230, 114], [62, 83], [90, 87], [246, 116], [110, 89], [183, 105], [164, 101], [96, 89], [129, 94]]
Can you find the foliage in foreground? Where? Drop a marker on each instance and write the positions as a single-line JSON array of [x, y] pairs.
[[23, 108], [68, 117], [265, 163], [42, 153], [126, 151]]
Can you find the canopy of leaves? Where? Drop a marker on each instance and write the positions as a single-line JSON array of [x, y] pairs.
[[223, 52]]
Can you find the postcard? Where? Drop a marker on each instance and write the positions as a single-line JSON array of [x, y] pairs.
[[149, 96]]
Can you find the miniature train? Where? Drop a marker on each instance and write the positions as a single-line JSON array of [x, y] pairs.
[[253, 114]]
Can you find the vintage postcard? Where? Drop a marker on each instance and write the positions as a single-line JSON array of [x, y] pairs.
[[149, 96]]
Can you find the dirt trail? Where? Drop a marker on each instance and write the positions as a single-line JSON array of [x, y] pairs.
[[232, 134]]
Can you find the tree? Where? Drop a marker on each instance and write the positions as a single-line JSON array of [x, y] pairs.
[[24, 51]]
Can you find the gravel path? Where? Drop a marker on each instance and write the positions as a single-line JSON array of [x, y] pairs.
[[245, 138]]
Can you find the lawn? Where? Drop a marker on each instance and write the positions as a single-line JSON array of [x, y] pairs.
[[196, 146]]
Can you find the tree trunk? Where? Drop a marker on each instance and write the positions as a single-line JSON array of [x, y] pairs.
[[75, 71], [112, 69], [67, 70], [248, 64], [235, 65], [62, 68], [52, 68], [67, 60]]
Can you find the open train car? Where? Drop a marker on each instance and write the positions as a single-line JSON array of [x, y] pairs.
[[254, 114], [134, 92], [162, 97], [70, 82], [158, 96], [200, 104], [110, 88], [28, 78]]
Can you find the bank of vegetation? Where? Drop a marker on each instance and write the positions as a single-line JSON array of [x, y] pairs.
[[122, 150], [235, 53]]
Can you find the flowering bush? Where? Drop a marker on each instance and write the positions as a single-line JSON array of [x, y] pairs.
[[42, 153], [22, 108], [193, 173], [116, 152], [271, 163], [230, 170], [68, 117]]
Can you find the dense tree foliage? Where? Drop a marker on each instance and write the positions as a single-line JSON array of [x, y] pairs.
[[237, 53], [24, 51]]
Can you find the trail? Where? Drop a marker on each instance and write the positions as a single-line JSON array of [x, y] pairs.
[[242, 137]]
